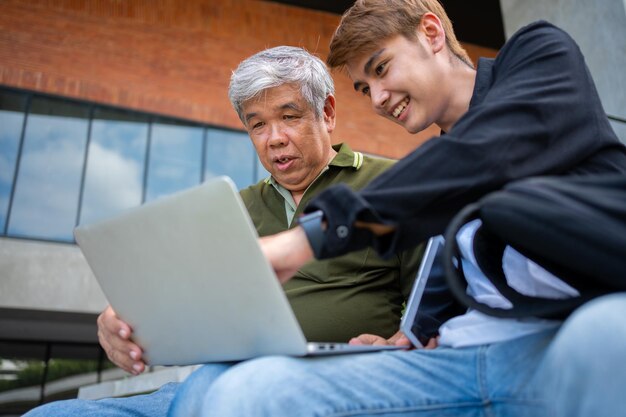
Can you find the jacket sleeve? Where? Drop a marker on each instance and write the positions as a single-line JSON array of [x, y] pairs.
[[534, 111]]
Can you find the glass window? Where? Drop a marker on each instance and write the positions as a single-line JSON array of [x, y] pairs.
[[45, 201], [175, 158], [64, 162], [70, 367], [230, 153], [115, 164], [12, 106], [59, 368], [22, 366]]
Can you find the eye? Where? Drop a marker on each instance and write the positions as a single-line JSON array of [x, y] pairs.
[[257, 125], [289, 117], [380, 68], [365, 91]]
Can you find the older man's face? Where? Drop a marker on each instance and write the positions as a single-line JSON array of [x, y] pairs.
[[292, 143]]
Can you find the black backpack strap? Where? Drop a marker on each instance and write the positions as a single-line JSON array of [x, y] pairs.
[[454, 267], [574, 227], [488, 252]]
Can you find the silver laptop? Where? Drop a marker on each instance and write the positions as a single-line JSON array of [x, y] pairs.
[[187, 273], [418, 327]]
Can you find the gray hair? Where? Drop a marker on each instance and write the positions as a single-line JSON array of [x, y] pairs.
[[277, 66]]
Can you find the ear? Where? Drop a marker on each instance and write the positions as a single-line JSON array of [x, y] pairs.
[[329, 113], [431, 28]]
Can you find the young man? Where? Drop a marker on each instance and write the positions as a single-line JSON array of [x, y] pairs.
[[532, 111], [284, 97]]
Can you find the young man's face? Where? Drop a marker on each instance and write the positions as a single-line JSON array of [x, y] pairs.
[[292, 143], [403, 80]]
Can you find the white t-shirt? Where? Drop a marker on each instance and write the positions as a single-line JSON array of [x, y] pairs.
[[522, 274]]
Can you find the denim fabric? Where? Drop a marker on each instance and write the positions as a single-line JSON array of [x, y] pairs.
[[585, 367], [580, 372], [151, 405], [192, 390], [487, 380]]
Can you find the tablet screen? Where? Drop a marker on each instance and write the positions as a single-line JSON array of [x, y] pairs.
[[430, 301]]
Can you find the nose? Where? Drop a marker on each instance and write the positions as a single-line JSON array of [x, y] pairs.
[[277, 135], [379, 97]]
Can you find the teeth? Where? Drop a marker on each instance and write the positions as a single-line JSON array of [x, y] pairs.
[[398, 110]]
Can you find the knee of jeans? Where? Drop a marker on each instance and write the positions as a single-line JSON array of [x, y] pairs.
[[601, 314], [259, 387], [594, 328], [189, 395], [585, 366], [258, 376], [206, 374]]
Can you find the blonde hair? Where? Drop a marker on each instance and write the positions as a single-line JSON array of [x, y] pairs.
[[369, 22]]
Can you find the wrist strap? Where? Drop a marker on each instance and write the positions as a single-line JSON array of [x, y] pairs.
[[312, 225]]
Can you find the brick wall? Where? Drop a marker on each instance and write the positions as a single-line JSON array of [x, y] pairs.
[[174, 57]]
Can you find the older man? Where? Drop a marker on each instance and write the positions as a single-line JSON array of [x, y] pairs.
[[284, 97]]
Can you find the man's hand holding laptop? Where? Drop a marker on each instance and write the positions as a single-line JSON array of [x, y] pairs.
[[398, 339], [115, 338]]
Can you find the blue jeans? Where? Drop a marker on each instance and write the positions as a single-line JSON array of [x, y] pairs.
[[477, 381], [578, 372], [151, 405], [585, 366]]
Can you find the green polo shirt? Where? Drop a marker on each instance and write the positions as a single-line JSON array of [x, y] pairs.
[[338, 298]]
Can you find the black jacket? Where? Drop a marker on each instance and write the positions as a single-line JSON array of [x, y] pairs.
[[534, 111]]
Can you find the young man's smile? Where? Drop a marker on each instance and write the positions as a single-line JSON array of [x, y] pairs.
[[400, 108], [406, 79]]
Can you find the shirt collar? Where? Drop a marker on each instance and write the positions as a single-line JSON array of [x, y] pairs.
[[345, 157], [484, 75]]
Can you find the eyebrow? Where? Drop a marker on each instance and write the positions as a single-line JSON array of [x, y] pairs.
[[249, 116], [368, 67], [290, 106]]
